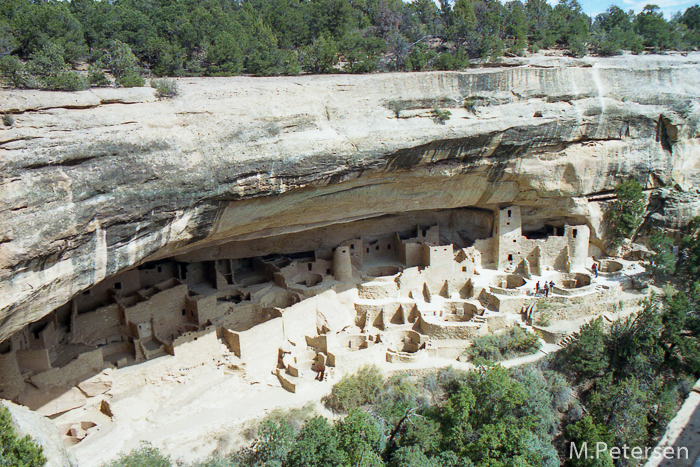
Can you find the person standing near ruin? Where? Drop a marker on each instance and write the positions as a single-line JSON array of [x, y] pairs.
[[595, 269], [537, 288], [546, 289], [320, 372]]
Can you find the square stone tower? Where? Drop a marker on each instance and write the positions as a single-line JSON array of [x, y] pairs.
[[578, 237], [508, 232]]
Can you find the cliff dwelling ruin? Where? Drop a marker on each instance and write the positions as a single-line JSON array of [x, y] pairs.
[[419, 287]]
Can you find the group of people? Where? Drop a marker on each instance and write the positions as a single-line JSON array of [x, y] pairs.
[[547, 287]]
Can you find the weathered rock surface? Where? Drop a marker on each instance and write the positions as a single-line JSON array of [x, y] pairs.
[[43, 431], [98, 181]]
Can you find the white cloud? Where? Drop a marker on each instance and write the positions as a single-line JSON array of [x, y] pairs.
[[668, 7]]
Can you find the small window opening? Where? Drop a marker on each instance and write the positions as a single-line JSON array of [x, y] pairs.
[[328, 271], [367, 250], [184, 312], [87, 292], [510, 257], [118, 285], [509, 212], [352, 246], [575, 231], [310, 266], [388, 247]]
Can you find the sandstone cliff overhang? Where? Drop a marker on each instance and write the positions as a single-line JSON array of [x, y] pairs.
[[98, 181]]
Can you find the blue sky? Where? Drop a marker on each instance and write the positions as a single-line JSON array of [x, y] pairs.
[[669, 7]]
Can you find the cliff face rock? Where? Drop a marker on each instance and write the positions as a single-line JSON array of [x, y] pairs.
[[42, 431], [98, 181]]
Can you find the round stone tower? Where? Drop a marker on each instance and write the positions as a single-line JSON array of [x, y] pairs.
[[342, 266]]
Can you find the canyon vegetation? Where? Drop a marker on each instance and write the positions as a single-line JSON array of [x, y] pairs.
[[41, 43]]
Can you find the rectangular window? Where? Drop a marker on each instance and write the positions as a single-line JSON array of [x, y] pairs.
[[575, 231], [118, 285], [510, 257], [509, 213]]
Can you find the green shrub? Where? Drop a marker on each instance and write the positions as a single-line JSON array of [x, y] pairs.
[[216, 461], [48, 62], [625, 214], [131, 80], [689, 257], [321, 56], [120, 60], [165, 88], [419, 58], [294, 417], [543, 319], [491, 47], [362, 437], [586, 356], [441, 116], [470, 104], [275, 440], [578, 47], [355, 390], [8, 41], [586, 431], [96, 77], [518, 47], [14, 72], [66, 81], [397, 107], [145, 456], [662, 260], [16, 451], [636, 44], [451, 61], [316, 446], [512, 343], [8, 119]]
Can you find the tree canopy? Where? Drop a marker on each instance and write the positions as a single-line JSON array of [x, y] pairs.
[[273, 37]]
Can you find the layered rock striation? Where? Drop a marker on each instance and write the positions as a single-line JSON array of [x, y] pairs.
[[96, 182]]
